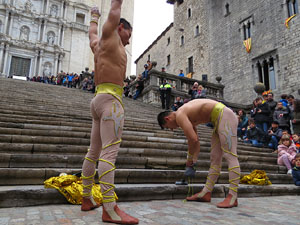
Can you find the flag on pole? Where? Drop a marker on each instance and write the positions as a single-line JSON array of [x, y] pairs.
[[288, 20], [247, 44]]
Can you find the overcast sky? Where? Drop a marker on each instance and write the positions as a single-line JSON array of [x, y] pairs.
[[151, 18]]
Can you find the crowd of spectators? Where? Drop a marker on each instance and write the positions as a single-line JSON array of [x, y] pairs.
[[271, 124], [84, 81]]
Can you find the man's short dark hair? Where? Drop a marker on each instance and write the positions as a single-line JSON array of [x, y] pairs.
[[275, 122], [161, 118], [126, 24], [291, 96], [251, 121]]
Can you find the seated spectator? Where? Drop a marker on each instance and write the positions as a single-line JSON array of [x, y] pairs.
[[193, 90], [262, 115], [296, 170], [281, 115], [296, 141], [181, 74], [274, 135], [254, 135], [200, 93], [286, 152], [243, 124], [177, 104], [139, 86]]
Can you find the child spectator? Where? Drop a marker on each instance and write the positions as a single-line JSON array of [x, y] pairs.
[[274, 134], [286, 152], [200, 93], [254, 135], [296, 170], [284, 100], [296, 140], [243, 124], [193, 90]]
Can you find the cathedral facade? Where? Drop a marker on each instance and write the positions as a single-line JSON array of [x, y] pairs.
[[243, 42], [43, 37]]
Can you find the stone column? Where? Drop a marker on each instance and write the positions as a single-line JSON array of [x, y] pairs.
[[59, 62], [1, 55], [62, 9], [47, 6], [40, 64], [59, 33], [62, 37], [39, 32], [11, 23], [5, 23], [66, 10], [44, 32], [55, 63], [5, 59], [36, 55]]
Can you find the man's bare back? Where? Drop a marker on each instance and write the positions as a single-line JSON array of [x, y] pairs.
[[198, 111]]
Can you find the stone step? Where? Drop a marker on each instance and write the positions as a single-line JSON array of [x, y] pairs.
[[32, 195], [33, 176]]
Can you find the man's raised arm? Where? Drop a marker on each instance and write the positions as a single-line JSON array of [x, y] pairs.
[[93, 30], [113, 18]]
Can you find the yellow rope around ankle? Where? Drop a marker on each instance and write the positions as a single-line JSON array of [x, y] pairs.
[[235, 189], [110, 198], [90, 186], [209, 181]]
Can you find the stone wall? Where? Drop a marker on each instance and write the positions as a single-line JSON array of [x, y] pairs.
[[218, 49]]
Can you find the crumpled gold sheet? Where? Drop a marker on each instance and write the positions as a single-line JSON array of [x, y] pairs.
[[71, 187], [256, 177]]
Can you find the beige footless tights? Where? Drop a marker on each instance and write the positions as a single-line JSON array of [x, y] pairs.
[[108, 121], [224, 143]]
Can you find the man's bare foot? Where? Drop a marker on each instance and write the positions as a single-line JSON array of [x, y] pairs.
[[229, 202], [199, 198], [88, 204], [116, 215]]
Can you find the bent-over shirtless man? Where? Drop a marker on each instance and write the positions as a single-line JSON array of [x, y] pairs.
[[107, 111], [223, 143]]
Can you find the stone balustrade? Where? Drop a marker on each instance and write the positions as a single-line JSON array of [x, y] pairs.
[[181, 87]]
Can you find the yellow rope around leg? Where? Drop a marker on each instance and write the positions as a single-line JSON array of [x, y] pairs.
[[90, 186], [109, 197], [235, 189], [209, 181]]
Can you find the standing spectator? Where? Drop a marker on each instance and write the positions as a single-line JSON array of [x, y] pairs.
[[272, 104], [254, 135], [145, 73], [274, 134], [281, 115], [149, 65], [262, 115], [265, 97], [126, 89], [70, 80], [296, 170], [193, 90], [165, 94], [286, 152], [163, 69], [284, 100], [177, 104], [242, 125], [139, 86], [181, 74]]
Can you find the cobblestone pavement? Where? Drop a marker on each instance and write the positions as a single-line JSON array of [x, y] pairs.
[[266, 210]]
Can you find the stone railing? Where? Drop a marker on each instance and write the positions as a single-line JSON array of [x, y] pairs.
[[181, 87]]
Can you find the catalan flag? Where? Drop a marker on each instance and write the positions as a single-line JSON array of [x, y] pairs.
[[247, 44], [288, 20]]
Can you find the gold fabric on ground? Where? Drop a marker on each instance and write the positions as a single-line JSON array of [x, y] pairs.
[[71, 187], [256, 177]]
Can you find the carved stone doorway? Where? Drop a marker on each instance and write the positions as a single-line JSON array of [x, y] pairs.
[[20, 66]]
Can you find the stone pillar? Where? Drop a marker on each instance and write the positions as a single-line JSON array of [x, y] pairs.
[[44, 32], [40, 64], [10, 24], [55, 63], [39, 32], [62, 37], [47, 6], [1, 55], [62, 9], [36, 55], [66, 10], [6, 22], [5, 60], [58, 36]]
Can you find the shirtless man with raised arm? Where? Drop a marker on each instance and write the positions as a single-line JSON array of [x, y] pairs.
[[107, 111], [223, 143]]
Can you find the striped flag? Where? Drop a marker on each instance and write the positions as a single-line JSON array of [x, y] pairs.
[[247, 44], [288, 20]]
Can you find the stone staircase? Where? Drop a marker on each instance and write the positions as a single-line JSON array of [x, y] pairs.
[[45, 130]]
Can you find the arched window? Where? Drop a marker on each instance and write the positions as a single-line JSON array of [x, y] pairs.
[[189, 13], [227, 11], [292, 6], [182, 40]]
